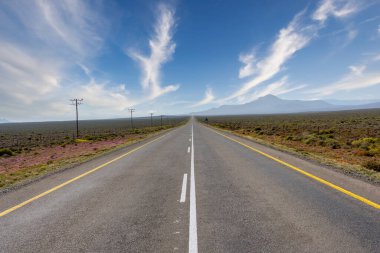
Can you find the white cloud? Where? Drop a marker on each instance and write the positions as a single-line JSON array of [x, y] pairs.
[[357, 70], [208, 98], [296, 36], [76, 28], [161, 50], [356, 79], [335, 8], [99, 95], [248, 69], [40, 43], [352, 33], [289, 40], [24, 76], [276, 88]]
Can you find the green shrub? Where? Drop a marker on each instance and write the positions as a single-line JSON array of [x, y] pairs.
[[5, 152], [372, 145], [332, 143], [365, 142], [289, 138], [372, 165], [310, 139], [328, 131]]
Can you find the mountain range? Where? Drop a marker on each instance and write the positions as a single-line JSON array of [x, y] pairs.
[[271, 104], [3, 120]]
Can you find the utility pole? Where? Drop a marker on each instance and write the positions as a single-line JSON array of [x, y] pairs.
[[76, 102], [151, 119], [161, 120], [131, 110]]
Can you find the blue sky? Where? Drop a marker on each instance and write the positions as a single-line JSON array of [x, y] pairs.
[[173, 57]]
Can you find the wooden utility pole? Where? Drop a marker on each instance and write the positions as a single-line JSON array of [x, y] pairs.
[[76, 102], [151, 119], [131, 110]]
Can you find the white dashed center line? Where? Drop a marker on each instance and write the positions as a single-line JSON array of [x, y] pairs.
[[184, 186]]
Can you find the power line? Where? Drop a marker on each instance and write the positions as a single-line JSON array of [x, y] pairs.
[[76, 102], [131, 110]]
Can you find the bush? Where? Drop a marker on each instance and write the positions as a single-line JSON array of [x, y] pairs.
[[372, 165], [372, 145], [325, 140], [310, 139], [328, 131], [289, 138], [81, 140], [5, 152], [332, 143]]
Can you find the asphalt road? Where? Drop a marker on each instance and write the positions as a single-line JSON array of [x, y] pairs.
[[191, 190]]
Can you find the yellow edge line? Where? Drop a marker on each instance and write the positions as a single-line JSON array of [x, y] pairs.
[[74, 179], [338, 188]]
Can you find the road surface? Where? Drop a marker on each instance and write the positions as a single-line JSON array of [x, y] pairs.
[[192, 190]]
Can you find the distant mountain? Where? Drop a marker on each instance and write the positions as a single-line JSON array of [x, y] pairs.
[[4, 121], [272, 105], [352, 102]]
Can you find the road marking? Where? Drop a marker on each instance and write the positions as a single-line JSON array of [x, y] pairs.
[[193, 236], [183, 192], [190, 139], [325, 182], [188, 149], [74, 179]]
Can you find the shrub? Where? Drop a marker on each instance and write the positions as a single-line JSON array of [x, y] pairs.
[[80, 140], [332, 143], [365, 142], [328, 131], [361, 152], [372, 165], [289, 138], [89, 138], [310, 139], [372, 145], [5, 152]]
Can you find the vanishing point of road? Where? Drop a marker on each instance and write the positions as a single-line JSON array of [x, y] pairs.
[[193, 189]]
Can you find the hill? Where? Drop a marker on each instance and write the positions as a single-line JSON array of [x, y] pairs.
[[271, 104]]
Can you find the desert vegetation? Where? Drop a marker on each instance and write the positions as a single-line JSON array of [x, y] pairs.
[[33, 149], [347, 139]]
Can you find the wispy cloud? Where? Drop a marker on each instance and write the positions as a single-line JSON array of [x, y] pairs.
[[276, 88], [208, 98], [248, 68], [102, 96], [162, 48], [289, 40], [357, 78], [37, 71], [26, 76], [357, 70], [351, 35], [335, 8]]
